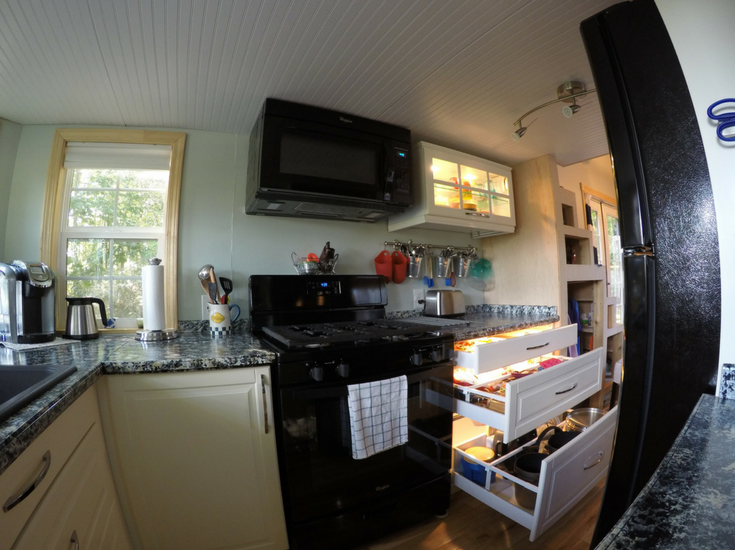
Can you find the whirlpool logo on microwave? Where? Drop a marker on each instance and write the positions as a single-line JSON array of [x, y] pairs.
[[345, 120], [382, 487]]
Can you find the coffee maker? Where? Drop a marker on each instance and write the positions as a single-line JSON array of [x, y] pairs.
[[27, 308]]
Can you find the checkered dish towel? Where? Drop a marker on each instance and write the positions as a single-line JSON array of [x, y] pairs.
[[378, 415]]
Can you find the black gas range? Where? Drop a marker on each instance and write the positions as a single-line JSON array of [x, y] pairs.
[[330, 335]]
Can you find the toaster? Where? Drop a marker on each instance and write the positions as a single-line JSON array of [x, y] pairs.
[[444, 303]]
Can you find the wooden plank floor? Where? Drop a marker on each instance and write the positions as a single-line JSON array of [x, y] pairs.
[[471, 525]]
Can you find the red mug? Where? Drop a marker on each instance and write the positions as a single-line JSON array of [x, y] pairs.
[[400, 266], [384, 265]]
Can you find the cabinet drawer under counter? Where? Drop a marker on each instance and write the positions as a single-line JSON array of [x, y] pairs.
[[493, 352], [525, 403]]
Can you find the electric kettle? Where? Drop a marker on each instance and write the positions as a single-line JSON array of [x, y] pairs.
[[80, 321]]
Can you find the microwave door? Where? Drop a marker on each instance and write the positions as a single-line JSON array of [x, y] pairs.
[[313, 162]]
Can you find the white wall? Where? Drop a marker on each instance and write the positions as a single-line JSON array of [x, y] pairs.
[[213, 227], [702, 33], [9, 138], [595, 173]]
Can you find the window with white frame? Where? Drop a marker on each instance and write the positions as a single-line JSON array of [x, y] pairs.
[[112, 221]]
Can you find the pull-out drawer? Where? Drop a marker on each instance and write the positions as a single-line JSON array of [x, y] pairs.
[[532, 400], [499, 351], [566, 476]]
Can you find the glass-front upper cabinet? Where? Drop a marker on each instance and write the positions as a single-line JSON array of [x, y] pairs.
[[457, 191]]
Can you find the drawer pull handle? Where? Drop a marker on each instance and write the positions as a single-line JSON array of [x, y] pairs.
[[480, 214], [599, 459], [539, 346], [566, 391], [16, 499], [75, 539], [265, 402]]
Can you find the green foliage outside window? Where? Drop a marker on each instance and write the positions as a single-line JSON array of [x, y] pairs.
[[110, 267]]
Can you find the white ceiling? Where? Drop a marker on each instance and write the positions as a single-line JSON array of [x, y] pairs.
[[455, 72]]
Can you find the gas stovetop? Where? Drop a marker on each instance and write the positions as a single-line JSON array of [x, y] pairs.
[[349, 333]]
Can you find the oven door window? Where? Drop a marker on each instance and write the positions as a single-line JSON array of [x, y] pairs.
[[321, 475], [313, 159]]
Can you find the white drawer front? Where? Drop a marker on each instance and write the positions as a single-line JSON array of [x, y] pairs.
[[531, 401], [495, 355], [572, 471], [566, 476], [59, 440]]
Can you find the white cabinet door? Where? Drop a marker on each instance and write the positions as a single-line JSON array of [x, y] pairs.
[[458, 191], [194, 459], [81, 505]]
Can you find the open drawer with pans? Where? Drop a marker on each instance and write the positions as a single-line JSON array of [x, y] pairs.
[[566, 476]]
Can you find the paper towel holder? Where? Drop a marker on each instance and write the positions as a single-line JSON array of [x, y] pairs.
[[146, 335]]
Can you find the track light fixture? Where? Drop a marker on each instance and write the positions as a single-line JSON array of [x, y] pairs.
[[567, 92], [569, 110], [518, 134]]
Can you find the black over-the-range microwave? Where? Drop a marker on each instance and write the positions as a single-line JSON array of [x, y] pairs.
[[315, 163]]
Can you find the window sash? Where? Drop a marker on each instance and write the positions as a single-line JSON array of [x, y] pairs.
[[109, 233]]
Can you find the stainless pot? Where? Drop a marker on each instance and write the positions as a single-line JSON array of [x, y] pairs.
[[580, 419], [80, 321]]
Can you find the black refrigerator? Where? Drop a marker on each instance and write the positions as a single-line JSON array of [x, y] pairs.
[[669, 238]]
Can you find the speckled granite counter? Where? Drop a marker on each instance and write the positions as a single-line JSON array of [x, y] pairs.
[[486, 320], [114, 355], [690, 500], [193, 350]]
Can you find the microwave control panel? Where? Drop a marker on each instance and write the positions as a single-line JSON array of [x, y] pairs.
[[401, 175]]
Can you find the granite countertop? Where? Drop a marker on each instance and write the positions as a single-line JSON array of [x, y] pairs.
[[690, 500], [193, 350]]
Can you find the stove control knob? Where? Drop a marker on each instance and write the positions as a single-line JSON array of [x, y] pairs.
[[437, 354], [417, 358], [343, 369], [317, 373]]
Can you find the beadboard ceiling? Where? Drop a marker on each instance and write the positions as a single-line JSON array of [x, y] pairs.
[[457, 73]]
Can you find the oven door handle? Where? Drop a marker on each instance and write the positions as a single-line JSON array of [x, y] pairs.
[[265, 404], [328, 390]]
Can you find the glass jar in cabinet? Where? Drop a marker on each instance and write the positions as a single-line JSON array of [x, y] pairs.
[[458, 191]]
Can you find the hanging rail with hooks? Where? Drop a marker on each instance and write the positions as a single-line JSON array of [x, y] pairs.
[[409, 245]]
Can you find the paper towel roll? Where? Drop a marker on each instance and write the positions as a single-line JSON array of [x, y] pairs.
[[154, 310]]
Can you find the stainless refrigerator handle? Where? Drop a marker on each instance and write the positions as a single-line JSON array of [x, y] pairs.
[[265, 403], [27, 489]]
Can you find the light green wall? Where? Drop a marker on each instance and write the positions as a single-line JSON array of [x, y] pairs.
[[9, 138], [214, 229]]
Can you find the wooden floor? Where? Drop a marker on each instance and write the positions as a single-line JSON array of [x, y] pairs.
[[471, 525]]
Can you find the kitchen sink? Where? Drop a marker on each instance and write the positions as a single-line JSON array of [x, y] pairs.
[[21, 384]]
